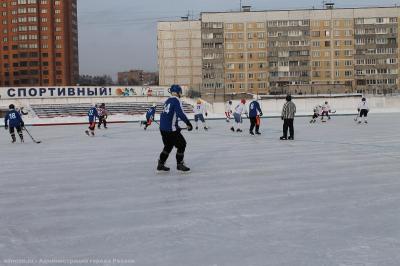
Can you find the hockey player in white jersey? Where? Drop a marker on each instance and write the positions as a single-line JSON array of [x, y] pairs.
[[326, 110], [317, 112], [363, 110], [237, 115], [199, 112], [228, 111]]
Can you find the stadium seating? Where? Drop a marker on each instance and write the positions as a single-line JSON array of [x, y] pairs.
[[64, 110]]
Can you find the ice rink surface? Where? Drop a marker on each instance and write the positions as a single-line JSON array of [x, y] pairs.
[[331, 197]]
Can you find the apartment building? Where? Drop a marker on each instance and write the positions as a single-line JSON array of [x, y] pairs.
[[266, 51], [179, 53], [39, 43]]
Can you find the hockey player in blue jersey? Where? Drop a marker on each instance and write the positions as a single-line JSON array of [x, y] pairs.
[[254, 114], [150, 115], [171, 132], [92, 115], [13, 121]]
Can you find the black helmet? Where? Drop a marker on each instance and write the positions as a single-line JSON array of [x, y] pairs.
[[363, 99], [288, 97], [230, 102], [326, 102], [11, 107]]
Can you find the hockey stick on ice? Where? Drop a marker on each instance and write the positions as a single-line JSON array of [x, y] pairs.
[[356, 118], [36, 141]]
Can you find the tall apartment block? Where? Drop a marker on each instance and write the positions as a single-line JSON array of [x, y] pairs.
[[266, 51], [179, 53], [39, 43]]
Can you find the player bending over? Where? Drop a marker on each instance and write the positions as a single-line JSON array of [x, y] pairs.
[[150, 116], [199, 112], [239, 110], [317, 112], [13, 121], [363, 110], [170, 131], [254, 114], [92, 115], [228, 111]]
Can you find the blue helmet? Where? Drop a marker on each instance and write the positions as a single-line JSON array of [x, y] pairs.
[[176, 89]]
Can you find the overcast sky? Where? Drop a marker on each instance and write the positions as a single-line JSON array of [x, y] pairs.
[[120, 35]]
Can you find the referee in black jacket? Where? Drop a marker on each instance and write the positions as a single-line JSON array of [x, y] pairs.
[[288, 113]]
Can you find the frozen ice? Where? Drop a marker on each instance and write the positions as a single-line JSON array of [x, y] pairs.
[[331, 197]]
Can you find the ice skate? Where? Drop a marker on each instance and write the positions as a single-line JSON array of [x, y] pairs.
[[182, 167], [232, 129], [283, 138], [161, 168], [87, 132], [251, 133], [239, 130]]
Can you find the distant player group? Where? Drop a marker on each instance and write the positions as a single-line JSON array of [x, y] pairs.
[[172, 112]]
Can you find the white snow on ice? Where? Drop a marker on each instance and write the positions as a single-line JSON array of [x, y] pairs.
[[331, 197]]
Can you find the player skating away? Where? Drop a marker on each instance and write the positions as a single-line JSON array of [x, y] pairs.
[[254, 114], [170, 131], [150, 116], [92, 115], [228, 111], [199, 112], [326, 110], [237, 115], [317, 112], [13, 121], [102, 111], [363, 110]]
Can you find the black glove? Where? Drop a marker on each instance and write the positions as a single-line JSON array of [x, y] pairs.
[[6, 127], [282, 117], [261, 114], [189, 126], [22, 124], [206, 114], [358, 110]]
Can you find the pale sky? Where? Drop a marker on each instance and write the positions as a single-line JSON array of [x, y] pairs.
[[118, 35]]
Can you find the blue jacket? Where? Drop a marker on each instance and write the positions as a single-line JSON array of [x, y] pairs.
[[171, 114], [93, 114], [151, 113], [255, 109], [13, 119]]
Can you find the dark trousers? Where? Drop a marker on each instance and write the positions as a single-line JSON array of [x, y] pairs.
[[102, 120], [363, 113], [288, 124], [19, 131], [254, 122], [325, 113], [173, 139]]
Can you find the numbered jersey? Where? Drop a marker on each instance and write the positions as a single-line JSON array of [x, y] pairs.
[[255, 109], [172, 113], [13, 119], [151, 113], [363, 106], [92, 114], [199, 109]]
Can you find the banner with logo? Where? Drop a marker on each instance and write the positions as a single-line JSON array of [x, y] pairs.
[[79, 92]]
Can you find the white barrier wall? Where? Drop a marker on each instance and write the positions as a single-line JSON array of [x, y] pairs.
[[343, 105]]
